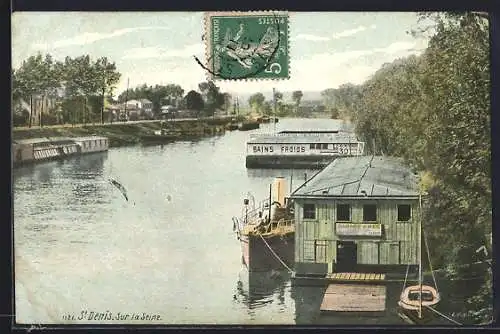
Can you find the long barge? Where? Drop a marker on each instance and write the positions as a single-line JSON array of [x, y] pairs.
[[27, 151], [304, 149]]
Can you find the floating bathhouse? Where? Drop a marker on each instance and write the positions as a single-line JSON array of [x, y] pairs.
[[358, 214], [50, 148]]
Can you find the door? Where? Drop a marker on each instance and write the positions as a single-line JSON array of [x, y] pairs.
[[347, 254]]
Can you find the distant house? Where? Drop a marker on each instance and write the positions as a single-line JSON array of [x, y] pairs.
[[359, 214], [134, 104], [146, 105]]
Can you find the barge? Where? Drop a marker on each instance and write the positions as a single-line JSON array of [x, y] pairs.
[[266, 232], [305, 149], [26, 151]]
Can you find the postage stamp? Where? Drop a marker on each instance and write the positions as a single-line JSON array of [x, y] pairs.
[[247, 45]]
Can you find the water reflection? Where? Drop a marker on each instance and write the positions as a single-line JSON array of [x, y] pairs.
[[44, 174], [258, 289], [88, 166]]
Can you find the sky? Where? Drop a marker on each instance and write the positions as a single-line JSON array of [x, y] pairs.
[[327, 49]]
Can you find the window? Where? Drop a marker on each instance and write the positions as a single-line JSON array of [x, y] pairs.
[[404, 212], [324, 146], [369, 213], [311, 146], [309, 211], [318, 146], [343, 212]]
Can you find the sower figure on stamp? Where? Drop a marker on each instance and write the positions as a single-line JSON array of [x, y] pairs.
[[244, 53]]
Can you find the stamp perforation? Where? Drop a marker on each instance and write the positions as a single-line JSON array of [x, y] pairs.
[[209, 37]]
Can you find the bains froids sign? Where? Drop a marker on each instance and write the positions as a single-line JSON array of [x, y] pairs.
[[277, 149]]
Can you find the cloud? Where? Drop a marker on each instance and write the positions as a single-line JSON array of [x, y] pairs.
[[314, 73], [186, 74], [329, 70], [91, 37], [397, 47], [158, 52], [308, 37], [350, 32]]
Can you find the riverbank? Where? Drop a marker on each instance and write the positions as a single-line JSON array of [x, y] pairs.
[[122, 134]]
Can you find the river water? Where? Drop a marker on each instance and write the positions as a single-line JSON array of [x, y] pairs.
[[169, 252]]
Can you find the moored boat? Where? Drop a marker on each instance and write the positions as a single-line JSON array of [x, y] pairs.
[[417, 301], [266, 232], [164, 135], [248, 125], [264, 119]]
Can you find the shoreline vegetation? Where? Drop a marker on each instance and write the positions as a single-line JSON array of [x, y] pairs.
[[433, 110], [127, 133]]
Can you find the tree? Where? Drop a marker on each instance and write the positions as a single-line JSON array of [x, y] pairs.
[[434, 110], [267, 108], [227, 101], [194, 101], [296, 97], [106, 79], [35, 77], [213, 97], [256, 101], [84, 83], [173, 93]]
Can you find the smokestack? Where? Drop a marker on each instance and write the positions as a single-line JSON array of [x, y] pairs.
[[280, 190]]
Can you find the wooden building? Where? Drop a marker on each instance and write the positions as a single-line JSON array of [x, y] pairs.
[[358, 214]]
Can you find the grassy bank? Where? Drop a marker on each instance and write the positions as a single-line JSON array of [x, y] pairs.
[[121, 134]]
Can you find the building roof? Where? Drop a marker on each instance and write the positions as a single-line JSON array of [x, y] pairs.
[[145, 101], [88, 138], [340, 137], [372, 176], [31, 141], [54, 140]]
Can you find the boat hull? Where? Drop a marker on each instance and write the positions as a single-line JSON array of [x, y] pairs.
[[411, 316], [248, 126], [288, 161], [155, 139], [257, 256]]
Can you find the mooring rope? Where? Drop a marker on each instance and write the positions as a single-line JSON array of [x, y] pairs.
[[406, 276], [283, 263], [443, 315], [429, 259]]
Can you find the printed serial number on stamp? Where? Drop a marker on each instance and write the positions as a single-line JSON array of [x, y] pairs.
[[247, 45]]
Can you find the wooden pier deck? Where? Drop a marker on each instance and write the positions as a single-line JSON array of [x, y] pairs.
[[355, 277], [354, 298]]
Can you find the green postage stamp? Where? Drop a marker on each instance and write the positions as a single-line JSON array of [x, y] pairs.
[[247, 45]]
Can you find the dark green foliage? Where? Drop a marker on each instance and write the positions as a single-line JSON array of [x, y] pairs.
[[194, 101], [434, 111], [80, 79]]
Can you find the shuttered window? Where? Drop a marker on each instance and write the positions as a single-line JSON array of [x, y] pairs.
[[309, 211]]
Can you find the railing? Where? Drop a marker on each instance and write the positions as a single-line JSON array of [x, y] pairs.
[[280, 227], [252, 215]]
